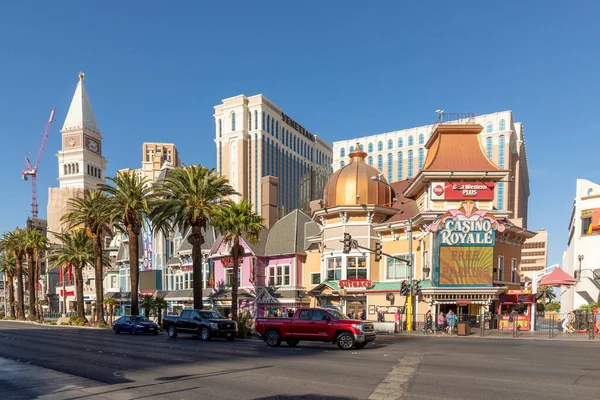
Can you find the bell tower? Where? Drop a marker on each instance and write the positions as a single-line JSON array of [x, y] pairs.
[[81, 164]]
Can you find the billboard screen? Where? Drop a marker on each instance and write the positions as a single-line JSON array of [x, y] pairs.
[[468, 266]]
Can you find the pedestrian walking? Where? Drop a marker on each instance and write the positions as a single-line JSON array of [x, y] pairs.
[[451, 320], [441, 319]]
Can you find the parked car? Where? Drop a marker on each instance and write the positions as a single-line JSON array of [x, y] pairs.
[[316, 324], [135, 324], [204, 323]]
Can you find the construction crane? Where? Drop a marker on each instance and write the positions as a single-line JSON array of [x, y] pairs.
[[31, 171]]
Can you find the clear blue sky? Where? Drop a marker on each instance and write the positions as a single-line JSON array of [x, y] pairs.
[[154, 71]]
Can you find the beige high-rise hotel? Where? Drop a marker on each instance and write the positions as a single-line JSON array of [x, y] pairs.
[[269, 158]]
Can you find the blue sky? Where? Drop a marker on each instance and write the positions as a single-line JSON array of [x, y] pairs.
[[154, 71]]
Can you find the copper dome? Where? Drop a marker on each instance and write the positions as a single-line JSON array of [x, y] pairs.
[[352, 184]]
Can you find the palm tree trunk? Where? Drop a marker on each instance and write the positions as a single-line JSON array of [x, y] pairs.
[[11, 296], [79, 289], [98, 274], [134, 270], [20, 292], [235, 278], [31, 278], [37, 272], [159, 316], [197, 239]]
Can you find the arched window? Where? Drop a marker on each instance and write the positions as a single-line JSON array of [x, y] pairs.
[[488, 147], [233, 121], [399, 161], [277, 129], [421, 139], [255, 119], [88, 170], [342, 164], [410, 164], [421, 155], [220, 128], [411, 141], [69, 169], [390, 165], [77, 168], [390, 144], [380, 162], [501, 143], [502, 125], [268, 123], [400, 142], [65, 169], [263, 121], [500, 195], [342, 152], [351, 149], [379, 146], [489, 128], [249, 121], [370, 160], [272, 126], [362, 147], [370, 147]]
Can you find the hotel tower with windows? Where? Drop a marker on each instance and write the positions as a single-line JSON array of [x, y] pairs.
[[270, 159]]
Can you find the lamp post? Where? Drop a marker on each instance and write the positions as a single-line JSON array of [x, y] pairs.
[[409, 300], [580, 259]]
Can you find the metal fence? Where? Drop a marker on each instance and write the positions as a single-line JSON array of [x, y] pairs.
[[579, 325]]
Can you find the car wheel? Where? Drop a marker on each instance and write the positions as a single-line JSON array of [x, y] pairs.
[[117, 331], [345, 341], [133, 332], [155, 333], [359, 346], [205, 334], [273, 339], [172, 332], [292, 343]]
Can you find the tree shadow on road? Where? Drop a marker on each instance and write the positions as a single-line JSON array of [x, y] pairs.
[[305, 397]]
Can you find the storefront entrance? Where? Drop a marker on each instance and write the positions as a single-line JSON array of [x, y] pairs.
[[354, 309]]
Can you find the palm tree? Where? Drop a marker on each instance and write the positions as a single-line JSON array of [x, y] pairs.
[[77, 250], [235, 221], [8, 268], [161, 304], [92, 212], [110, 305], [35, 243], [147, 304], [14, 242], [549, 294], [190, 197], [130, 200]]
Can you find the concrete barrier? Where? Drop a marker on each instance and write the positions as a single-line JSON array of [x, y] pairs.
[[385, 327]]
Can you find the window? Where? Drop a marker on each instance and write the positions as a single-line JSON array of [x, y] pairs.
[[277, 129], [390, 144], [356, 268], [500, 268], [399, 166], [411, 141], [410, 164], [390, 164], [351, 149], [502, 125], [489, 128], [370, 160], [305, 315], [315, 278], [421, 139], [421, 156], [279, 275], [501, 145], [255, 119], [334, 269], [263, 121], [400, 142], [380, 162], [318, 315], [500, 204], [342, 164], [229, 276], [488, 147], [272, 126], [113, 282], [379, 146], [513, 270], [268, 124], [586, 224], [370, 147], [220, 134], [396, 269], [233, 121], [250, 121], [342, 152]]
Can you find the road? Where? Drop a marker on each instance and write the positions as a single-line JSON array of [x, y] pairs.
[[71, 363]]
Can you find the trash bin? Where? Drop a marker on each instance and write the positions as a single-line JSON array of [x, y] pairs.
[[464, 329]]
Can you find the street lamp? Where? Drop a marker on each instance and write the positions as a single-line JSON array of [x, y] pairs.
[[409, 319], [580, 258]]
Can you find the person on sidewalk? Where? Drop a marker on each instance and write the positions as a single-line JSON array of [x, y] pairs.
[[441, 320], [428, 322], [451, 319]]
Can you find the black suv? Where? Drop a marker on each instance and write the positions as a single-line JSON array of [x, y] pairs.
[[203, 323]]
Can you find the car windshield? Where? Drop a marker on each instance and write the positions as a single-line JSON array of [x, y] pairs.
[[140, 319], [337, 315], [211, 315]]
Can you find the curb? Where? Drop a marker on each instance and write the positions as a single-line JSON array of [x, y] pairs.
[[52, 326]]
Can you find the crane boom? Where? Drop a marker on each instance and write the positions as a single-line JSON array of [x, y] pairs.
[[31, 171]]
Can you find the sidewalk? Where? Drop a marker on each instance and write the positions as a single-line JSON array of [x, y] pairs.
[[499, 334]]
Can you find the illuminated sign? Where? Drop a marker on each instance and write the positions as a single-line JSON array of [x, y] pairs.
[[464, 266], [462, 191], [355, 283]]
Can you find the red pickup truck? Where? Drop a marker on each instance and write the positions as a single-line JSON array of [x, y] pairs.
[[316, 324]]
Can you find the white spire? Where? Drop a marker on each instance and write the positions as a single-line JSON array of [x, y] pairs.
[[80, 113]]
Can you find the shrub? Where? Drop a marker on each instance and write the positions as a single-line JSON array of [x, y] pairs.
[[65, 323], [244, 324], [52, 323], [540, 307], [588, 307], [80, 323], [553, 306], [102, 325]]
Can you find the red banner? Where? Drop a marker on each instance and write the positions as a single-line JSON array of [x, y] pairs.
[[69, 293], [355, 283], [463, 190]]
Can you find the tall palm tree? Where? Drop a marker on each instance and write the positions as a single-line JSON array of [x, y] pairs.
[[235, 221], [190, 197], [14, 242], [35, 243], [76, 250], [130, 200], [8, 268], [93, 213]]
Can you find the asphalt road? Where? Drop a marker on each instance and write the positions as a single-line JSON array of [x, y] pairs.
[[73, 363]]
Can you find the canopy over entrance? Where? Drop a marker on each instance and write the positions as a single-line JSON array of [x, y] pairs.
[[556, 278]]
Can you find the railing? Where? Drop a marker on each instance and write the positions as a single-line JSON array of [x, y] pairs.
[[454, 118]]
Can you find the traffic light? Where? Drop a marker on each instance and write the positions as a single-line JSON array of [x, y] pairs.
[[416, 289], [378, 251], [404, 289], [347, 243]]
